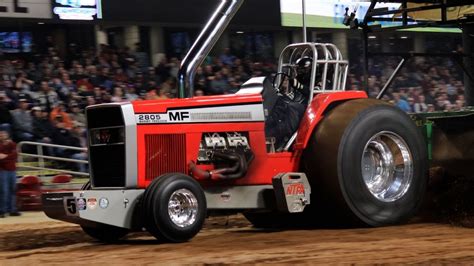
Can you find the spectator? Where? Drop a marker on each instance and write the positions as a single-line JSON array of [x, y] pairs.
[[118, 95], [23, 121], [60, 111], [130, 94], [79, 140], [442, 102], [152, 95], [22, 83], [84, 86], [47, 97], [98, 95], [227, 58], [8, 156], [198, 93], [42, 126], [431, 108], [163, 70], [93, 77], [76, 114], [401, 103], [218, 85], [61, 136], [104, 78], [174, 67], [411, 103], [5, 116], [421, 106], [169, 86]]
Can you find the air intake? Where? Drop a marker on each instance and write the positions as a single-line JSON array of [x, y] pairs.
[[165, 153]]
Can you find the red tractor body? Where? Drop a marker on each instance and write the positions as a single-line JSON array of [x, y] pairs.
[[179, 155], [293, 142]]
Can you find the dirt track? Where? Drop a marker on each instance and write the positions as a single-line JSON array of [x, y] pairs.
[[235, 241]]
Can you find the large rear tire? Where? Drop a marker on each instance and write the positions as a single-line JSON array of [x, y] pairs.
[[174, 207], [366, 163]]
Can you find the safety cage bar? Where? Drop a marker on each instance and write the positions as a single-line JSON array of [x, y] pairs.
[[324, 55]]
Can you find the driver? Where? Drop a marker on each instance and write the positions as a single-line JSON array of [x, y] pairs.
[[291, 104], [304, 66]]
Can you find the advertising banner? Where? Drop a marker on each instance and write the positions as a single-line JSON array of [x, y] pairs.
[[325, 13], [330, 13], [452, 13], [77, 9], [25, 9]]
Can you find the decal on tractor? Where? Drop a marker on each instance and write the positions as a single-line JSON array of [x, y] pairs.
[[70, 206], [103, 203], [295, 189], [218, 114], [91, 203], [178, 116], [81, 204], [293, 192]]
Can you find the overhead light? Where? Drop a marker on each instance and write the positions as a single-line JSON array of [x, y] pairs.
[[372, 37], [240, 32], [404, 37], [40, 23]]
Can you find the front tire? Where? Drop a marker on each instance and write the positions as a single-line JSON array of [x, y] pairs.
[[174, 208], [366, 163]]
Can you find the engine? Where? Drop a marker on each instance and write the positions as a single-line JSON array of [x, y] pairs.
[[228, 152]]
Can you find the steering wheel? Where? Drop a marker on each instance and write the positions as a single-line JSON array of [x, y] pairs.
[[282, 80]]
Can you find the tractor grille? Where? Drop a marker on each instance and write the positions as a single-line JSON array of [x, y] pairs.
[[165, 153], [107, 161]]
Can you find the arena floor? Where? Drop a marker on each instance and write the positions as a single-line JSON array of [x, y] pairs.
[[34, 239]]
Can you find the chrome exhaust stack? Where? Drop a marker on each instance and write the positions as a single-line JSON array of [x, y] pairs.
[[203, 45]]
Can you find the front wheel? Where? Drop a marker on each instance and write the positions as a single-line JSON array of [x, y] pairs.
[[174, 208]]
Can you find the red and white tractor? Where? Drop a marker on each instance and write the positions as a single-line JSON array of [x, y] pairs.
[[294, 148]]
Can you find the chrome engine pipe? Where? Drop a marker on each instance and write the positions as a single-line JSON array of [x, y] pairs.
[[204, 44]]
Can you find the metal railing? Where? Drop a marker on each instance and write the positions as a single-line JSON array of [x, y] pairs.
[[41, 157]]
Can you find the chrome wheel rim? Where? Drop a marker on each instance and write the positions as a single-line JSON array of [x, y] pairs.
[[387, 166], [183, 208]]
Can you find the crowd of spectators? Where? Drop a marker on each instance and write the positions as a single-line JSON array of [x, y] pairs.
[[423, 84], [43, 98]]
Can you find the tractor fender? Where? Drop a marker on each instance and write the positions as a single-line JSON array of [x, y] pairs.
[[317, 109]]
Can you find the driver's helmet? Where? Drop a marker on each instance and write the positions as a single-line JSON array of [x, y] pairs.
[[304, 66]]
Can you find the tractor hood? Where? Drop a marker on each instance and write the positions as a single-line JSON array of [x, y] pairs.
[[206, 109]]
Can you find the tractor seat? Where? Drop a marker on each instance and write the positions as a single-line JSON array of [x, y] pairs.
[[263, 86]]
